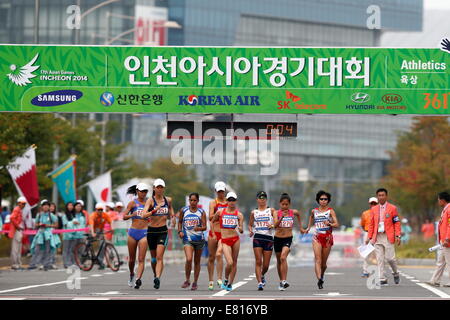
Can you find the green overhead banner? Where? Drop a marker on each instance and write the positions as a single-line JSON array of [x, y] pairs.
[[224, 80]]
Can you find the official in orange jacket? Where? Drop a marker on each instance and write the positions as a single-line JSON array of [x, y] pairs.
[[16, 233], [366, 218], [384, 232], [444, 240]]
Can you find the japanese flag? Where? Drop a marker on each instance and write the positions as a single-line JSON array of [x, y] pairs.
[[101, 187]]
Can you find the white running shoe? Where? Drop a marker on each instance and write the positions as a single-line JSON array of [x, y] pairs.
[[281, 287], [131, 282]]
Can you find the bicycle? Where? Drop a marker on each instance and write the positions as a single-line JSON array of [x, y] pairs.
[[85, 257]]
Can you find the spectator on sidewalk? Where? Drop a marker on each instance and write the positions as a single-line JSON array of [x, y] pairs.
[[5, 213], [119, 209], [406, 230], [59, 216], [16, 233], [67, 217], [427, 229], [443, 260], [44, 243]]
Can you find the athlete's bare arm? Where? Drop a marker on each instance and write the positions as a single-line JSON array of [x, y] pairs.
[[203, 227], [126, 214], [251, 220], [335, 223], [148, 204], [274, 216], [171, 212], [180, 223], [241, 222]]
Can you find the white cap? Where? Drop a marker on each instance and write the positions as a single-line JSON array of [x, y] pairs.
[[99, 206], [159, 182], [220, 186], [142, 186], [22, 200], [373, 199], [404, 220], [110, 204], [80, 202], [231, 195], [119, 204], [45, 201]]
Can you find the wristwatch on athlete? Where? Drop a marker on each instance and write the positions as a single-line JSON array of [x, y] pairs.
[[398, 237]]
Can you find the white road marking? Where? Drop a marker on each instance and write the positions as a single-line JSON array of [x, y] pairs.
[[90, 298], [109, 272], [258, 299], [108, 293], [434, 290], [224, 292], [332, 294], [12, 298], [414, 280], [333, 273], [96, 275], [174, 299], [248, 279], [36, 286]]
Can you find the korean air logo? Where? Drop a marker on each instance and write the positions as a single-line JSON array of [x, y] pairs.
[[360, 97], [192, 100]]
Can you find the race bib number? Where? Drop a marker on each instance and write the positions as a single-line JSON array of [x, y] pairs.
[[190, 223], [287, 223], [261, 225], [140, 213], [162, 211], [229, 222]]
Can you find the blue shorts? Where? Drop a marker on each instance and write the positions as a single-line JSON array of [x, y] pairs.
[[137, 234], [263, 241]]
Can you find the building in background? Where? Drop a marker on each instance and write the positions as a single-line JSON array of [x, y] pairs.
[[331, 150]]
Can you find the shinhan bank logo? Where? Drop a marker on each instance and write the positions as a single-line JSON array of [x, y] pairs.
[[22, 76], [360, 97]]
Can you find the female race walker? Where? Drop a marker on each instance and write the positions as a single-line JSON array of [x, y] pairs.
[[191, 224], [159, 209], [137, 234], [260, 225], [324, 219], [283, 237], [214, 244], [230, 218]]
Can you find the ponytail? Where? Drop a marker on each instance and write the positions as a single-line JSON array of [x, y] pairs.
[[132, 190]]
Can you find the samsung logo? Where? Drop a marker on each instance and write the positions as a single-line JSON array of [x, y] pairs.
[[56, 98]]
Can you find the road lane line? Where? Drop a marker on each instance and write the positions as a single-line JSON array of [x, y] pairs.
[[434, 290], [12, 298], [90, 298], [224, 292], [36, 286]]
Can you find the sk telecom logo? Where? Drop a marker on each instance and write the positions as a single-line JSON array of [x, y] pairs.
[[283, 104]]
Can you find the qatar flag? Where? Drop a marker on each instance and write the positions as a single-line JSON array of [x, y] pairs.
[[101, 187], [23, 173]]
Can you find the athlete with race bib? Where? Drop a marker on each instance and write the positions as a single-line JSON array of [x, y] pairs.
[[261, 225], [214, 244], [137, 234], [324, 220], [191, 224], [159, 209], [283, 237], [230, 219]]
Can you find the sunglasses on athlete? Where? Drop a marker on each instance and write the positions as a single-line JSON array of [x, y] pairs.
[[323, 199]]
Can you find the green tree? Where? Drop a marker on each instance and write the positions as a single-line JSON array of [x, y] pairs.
[[20, 130], [420, 167]]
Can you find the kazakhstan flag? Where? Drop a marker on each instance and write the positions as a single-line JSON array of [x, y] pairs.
[[64, 177]]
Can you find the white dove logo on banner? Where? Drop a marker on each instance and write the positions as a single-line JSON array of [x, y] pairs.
[[25, 73]]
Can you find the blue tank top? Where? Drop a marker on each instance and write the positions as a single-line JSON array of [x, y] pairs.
[[139, 208], [190, 221], [164, 210]]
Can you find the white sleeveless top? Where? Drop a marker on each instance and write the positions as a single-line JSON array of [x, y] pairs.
[[319, 221], [262, 221]]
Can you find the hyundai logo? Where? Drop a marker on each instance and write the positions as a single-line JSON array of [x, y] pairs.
[[360, 97]]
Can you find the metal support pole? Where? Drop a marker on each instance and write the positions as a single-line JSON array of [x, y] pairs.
[[36, 20]]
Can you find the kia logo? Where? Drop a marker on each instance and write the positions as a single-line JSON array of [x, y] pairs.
[[392, 98], [360, 97]]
